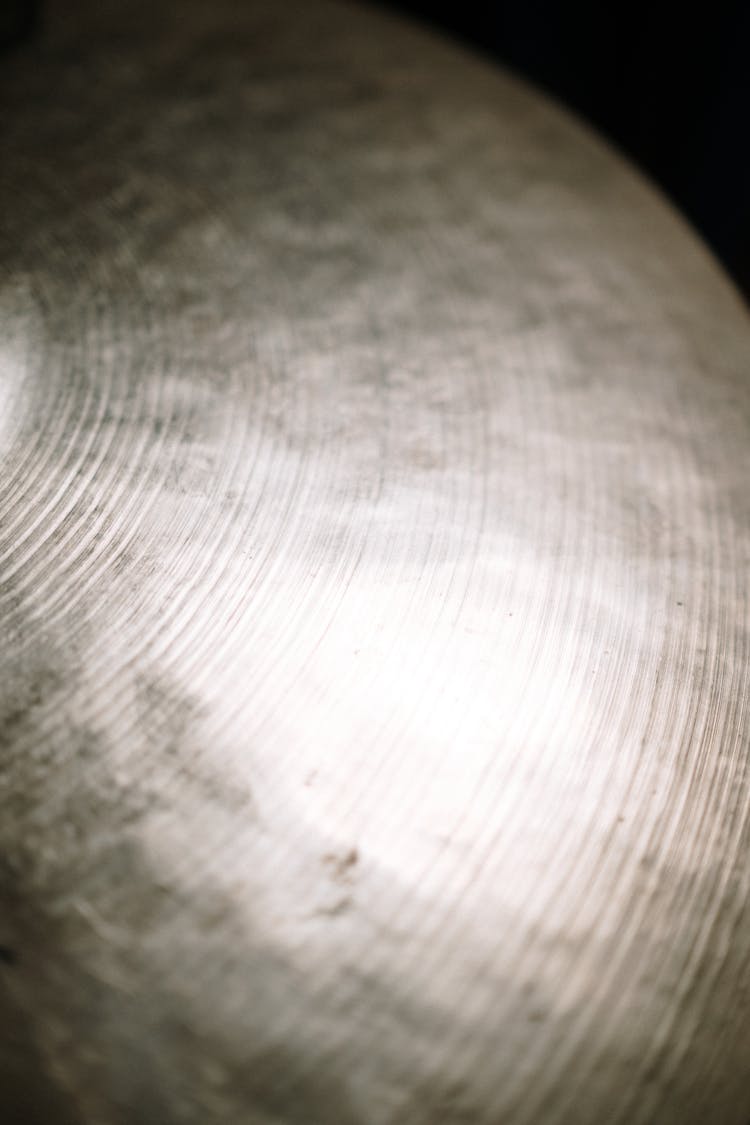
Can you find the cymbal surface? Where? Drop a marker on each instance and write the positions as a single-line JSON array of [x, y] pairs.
[[373, 607]]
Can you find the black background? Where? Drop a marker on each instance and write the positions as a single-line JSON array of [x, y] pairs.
[[670, 86]]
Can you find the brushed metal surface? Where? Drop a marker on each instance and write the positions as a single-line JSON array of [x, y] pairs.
[[374, 607]]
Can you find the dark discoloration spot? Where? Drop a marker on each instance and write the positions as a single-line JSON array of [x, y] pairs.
[[25, 700], [341, 866], [336, 909], [171, 718], [8, 956]]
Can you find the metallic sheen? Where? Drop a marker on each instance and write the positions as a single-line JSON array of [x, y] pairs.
[[374, 616]]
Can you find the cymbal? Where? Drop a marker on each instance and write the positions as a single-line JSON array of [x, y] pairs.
[[374, 538]]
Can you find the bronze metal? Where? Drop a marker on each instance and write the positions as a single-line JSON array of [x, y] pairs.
[[374, 607]]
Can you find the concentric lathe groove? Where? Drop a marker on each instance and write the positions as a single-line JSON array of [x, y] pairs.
[[374, 621]]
